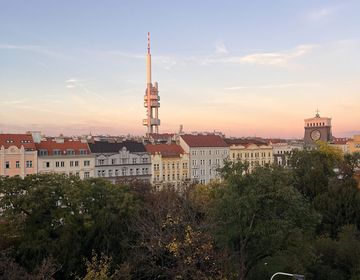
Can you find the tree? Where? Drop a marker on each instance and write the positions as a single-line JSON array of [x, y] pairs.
[[259, 216], [338, 259], [65, 218], [172, 242]]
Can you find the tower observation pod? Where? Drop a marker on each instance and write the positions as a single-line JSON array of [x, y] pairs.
[[151, 98]]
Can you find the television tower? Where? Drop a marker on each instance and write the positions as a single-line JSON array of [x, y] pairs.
[[151, 98]]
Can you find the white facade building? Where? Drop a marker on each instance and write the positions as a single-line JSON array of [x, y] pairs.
[[206, 154], [124, 161], [65, 156]]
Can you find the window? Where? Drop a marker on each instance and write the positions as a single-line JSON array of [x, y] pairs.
[[57, 152], [116, 172], [62, 164], [113, 161], [184, 165], [144, 160], [134, 160], [76, 163], [101, 161], [70, 152], [86, 175], [7, 164], [29, 164], [137, 171], [209, 161], [103, 173], [43, 152], [123, 171], [99, 173], [71, 163], [86, 162], [17, 165], [83, 152], [131, 171], [47, 164], [57, 164], [110, 173]]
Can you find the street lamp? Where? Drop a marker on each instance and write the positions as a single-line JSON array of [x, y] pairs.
[[295, 276]]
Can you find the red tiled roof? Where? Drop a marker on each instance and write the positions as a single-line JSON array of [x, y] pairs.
[[340, 141], [276, 141], [166, 150], [17, 140], [244, 142], [204, 140], [51, 144], [161, 136]]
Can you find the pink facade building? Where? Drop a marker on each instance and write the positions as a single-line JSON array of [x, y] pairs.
[[18, 155]]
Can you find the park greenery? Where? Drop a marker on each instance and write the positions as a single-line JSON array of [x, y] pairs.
[[301, 219]]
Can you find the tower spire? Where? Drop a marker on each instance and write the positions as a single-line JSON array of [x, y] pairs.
[[151, 98]]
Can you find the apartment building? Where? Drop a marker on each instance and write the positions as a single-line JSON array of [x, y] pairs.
[[253, 151], [206, 154], [65, 156], [169, 164], [123, 161], [18, 155]]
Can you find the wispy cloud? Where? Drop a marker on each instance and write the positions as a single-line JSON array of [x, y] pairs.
[[221, 55], [76, 83], [220, 47], [43, 50], [321, 13], [273, 86], [282, 58]]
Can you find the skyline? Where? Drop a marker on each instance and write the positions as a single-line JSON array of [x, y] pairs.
[[79, 67]]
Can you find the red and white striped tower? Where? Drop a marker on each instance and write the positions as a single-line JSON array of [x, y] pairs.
[[151, 98]]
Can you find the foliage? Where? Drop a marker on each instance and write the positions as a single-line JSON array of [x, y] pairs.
[[258, 215], [56, 215], [302, 219]]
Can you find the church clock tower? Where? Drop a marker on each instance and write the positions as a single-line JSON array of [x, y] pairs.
[[317, 128]]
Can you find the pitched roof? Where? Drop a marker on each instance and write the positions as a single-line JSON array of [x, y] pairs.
[[161, 136], [106, 147], [340, 141], [244, 142], [209, 140], [17, 140], [50, 145], [166, 150]]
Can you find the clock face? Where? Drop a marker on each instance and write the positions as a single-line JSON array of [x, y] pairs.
[[315, 135]]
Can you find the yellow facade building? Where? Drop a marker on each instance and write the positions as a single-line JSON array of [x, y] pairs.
[[354, 144], [255, 152], [169, 164]]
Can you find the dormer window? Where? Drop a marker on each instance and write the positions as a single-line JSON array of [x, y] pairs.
[[57, 152], [83, 152], [70, 152], [43, 152]]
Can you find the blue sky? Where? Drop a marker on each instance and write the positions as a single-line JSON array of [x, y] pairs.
[[243, 67]]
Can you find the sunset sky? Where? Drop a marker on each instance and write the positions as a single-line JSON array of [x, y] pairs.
[[245, 68]]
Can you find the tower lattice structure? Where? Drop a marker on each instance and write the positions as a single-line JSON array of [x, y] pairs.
[[151, 98]]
